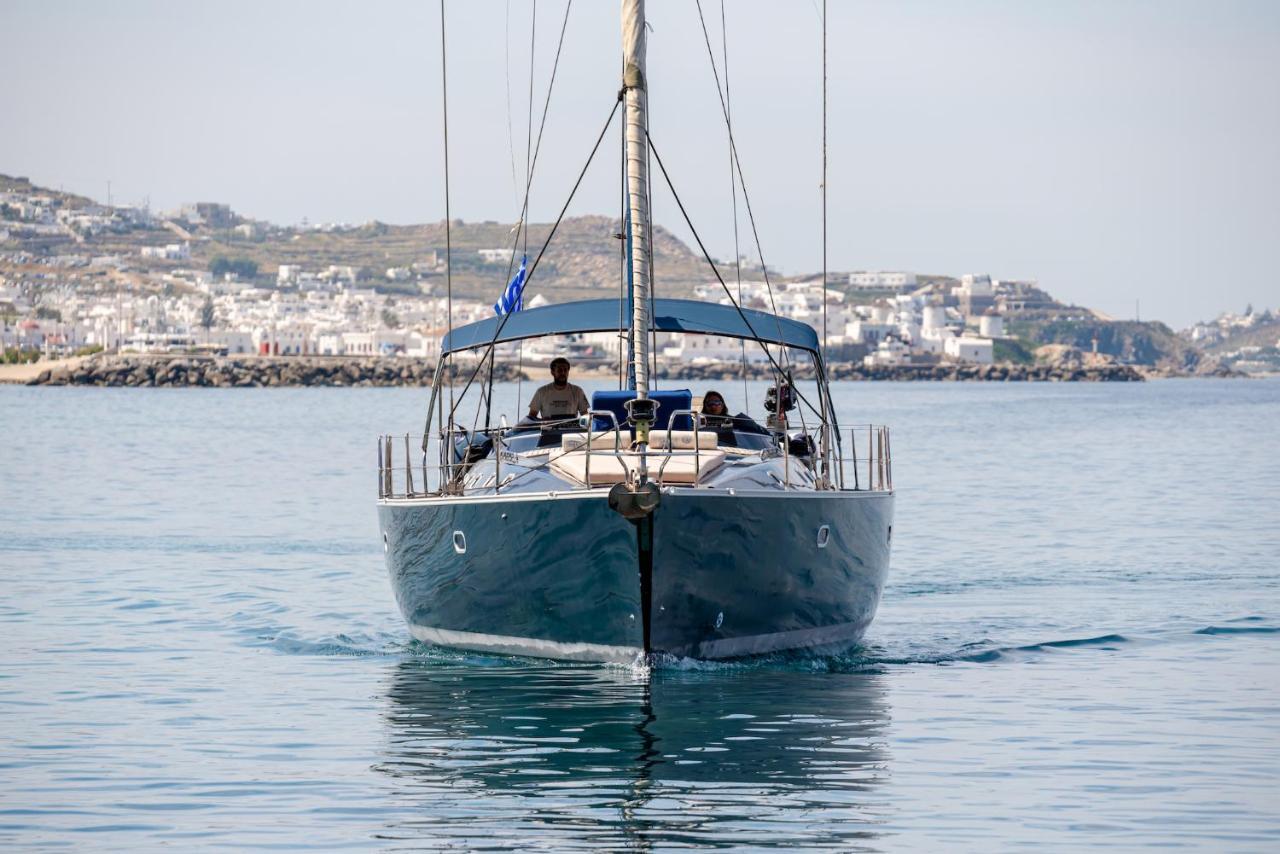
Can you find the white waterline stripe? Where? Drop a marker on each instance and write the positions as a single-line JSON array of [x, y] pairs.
[[535, 647]]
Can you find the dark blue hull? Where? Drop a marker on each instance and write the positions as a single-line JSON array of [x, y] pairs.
[[560, 576], [744, 575]]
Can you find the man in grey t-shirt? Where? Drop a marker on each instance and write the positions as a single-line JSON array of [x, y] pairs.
[[559, 398]]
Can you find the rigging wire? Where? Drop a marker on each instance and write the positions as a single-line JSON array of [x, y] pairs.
[[511, 136], [716, 270], [746, 198], [487, 391], [764, 269], [541, 252], [824, 180], [448, 235], [524, 213], [622, 253], [653, 278], [528, 133], [733, 193], [531, 166], [823, 349]]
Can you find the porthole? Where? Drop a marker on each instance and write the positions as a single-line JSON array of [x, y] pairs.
[[824, 536], [888, 540], [459, 542], [386, 544]]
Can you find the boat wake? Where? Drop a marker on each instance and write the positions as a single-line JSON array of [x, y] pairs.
[[873, 657], [1242, 626], [876, 657]]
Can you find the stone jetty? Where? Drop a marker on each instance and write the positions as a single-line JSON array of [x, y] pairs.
[[849, 371], [247, 371], [267, 371]]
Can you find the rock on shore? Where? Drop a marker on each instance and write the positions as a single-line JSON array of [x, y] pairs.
[[849, 371], [247, 372], [265, 371]]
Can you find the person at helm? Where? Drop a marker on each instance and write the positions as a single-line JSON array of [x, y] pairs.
[[559, 398]]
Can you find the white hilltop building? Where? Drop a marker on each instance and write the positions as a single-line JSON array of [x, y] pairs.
[[991, 324], [326, 310], [933, 340], [889, 352], [934, 330], [168, 252], [495, 256], [882, 281], [975, 285], [283, 339], [869, 332], [234, 341], [967, 348], [934, 316], [701, 349]]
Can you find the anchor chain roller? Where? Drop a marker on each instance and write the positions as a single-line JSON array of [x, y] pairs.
[[634, 501]]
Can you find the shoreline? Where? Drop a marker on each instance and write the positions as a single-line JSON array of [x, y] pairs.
[[148, 371], [24, 373]]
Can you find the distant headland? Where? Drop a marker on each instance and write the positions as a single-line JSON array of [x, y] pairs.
[[79, 277]]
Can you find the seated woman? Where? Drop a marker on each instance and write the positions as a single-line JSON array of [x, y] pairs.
[[716, 415], [713, 405]]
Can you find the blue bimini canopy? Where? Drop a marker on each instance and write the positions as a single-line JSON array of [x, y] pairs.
[[605, 315]]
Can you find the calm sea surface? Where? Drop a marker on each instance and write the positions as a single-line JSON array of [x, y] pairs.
[[1079, 645]]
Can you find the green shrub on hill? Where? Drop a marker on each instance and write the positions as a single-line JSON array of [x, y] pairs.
[[244, 268], [1012, 350], [15, 356]]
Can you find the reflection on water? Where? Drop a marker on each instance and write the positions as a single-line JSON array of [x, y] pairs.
[[602, 757]]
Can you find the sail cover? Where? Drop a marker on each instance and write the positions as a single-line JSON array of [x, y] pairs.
[[603, 315]]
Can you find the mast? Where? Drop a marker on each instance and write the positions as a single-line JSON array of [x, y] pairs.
[[636, 123]]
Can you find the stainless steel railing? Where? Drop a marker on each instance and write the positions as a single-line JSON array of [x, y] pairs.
[[865, 464], [873, 471]]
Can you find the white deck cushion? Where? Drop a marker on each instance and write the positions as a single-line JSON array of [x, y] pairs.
[[599, 441], [608, 468], [682, 440]]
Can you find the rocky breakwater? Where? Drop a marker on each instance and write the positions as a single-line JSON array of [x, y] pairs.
[[850, 371], [269, 371], [245, 372], [989, 373]]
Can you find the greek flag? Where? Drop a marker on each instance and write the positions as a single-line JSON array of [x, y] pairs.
[[513, 297]]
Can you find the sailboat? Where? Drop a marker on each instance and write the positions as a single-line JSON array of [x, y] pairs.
[[643, 527]]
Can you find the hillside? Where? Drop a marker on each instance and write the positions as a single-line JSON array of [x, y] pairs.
[[1263, 334], [56, 240], [1127, 341], [23, 186], [582, 261]]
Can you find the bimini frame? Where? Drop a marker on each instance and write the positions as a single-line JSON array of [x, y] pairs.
[[669, 315]]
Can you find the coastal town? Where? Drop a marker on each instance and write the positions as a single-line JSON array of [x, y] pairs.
[[79, 277]]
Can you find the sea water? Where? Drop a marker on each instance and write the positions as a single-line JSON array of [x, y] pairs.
[[1079, 644]]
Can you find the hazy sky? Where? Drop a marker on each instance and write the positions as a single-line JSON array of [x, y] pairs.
[[1116, 151]]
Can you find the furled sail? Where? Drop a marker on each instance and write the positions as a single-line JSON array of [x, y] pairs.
[[637, 144]]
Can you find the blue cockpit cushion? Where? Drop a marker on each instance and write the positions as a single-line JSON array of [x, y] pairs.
[[669, 400]]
